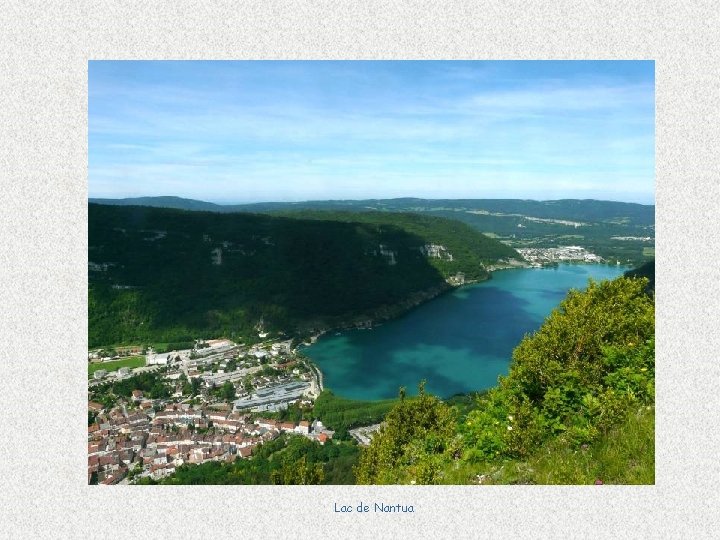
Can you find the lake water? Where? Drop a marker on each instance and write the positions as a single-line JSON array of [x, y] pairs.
[[459, 342]]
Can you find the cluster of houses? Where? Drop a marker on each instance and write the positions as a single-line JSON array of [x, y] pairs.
[[144, 437], [154, 444], [538, 256]]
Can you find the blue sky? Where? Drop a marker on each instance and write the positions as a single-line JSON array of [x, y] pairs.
[[301, 130]]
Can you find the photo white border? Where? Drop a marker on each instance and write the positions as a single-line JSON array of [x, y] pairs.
[[43, 159]]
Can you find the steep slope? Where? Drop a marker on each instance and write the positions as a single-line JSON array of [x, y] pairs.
[[646, 270], [576, 406], [171, 275], [457, 239]]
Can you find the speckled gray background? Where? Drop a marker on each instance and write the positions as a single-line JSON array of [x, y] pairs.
[[44, 49]]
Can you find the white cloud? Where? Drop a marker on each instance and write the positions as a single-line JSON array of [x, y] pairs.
[[228, 136]]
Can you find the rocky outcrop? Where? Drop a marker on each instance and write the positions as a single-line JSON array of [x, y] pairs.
[[436, 251]]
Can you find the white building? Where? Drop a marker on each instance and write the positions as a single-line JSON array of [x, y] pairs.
[[303, 427]]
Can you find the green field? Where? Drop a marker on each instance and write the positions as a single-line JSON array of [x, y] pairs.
[[648, 252], [131, 362]]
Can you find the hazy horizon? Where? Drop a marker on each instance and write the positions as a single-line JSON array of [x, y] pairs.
[[239, 202], [236, 132]]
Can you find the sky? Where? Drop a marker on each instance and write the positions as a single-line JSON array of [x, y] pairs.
[[253, 131]]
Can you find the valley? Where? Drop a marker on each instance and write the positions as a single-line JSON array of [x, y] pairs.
[[257, 331]]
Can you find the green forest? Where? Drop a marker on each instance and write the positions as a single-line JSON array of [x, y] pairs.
[[341, 414], [166, 275], [616, 231]]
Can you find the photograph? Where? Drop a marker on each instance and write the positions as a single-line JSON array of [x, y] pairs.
[[360, 272]]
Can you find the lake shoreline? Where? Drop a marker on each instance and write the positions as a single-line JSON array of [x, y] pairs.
[[482, 357]]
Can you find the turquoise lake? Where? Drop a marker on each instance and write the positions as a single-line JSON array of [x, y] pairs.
[[459, 342]]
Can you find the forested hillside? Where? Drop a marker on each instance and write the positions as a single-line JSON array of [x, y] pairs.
[[577, 406], [164, 275], [617, 231], [459, 239]]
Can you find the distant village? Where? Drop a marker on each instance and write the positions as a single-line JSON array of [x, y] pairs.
[[140, 436], [544, 256]]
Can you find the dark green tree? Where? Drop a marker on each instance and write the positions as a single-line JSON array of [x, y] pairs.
[[298, 472], [416, 439], [227, 391]]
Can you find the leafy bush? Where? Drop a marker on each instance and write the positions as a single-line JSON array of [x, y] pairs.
[[412, 445], [591, 360], [571, 385]]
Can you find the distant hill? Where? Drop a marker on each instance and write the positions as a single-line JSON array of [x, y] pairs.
[[162, 202], [168, 275], [567, 209], [564, 209]]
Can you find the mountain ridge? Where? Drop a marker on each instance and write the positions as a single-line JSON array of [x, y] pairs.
[[159, 274], [619, 232], [537, 208]]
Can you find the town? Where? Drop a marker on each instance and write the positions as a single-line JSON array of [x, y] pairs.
[[210, 402], [551, 255]]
